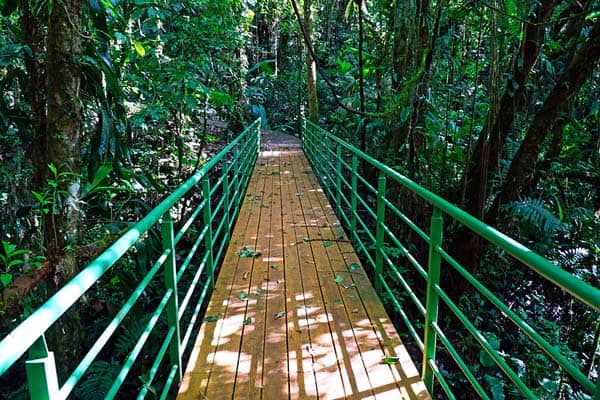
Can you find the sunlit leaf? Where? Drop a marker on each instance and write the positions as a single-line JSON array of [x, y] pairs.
[[139, 48]]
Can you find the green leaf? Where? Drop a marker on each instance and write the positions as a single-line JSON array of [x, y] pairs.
[[327, 244], [243, 296], [247, 252], [496, 386], [306, 239], [6, 278], [339, 279], [390, 360], [353, 267], [247, 321], [278, 314], [53, 169], [139, 48], [212, 318]]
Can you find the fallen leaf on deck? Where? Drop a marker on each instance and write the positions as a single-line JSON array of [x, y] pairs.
[[278, 314], [390, 360]]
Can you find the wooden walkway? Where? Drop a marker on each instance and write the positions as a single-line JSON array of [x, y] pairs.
[[300, 319]]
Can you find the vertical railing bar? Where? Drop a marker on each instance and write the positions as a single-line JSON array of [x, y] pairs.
[[338, 178], [42, 378], [380, 231], [432, 297], [354, 195], [208, 240], [171, 283], [226, 191]]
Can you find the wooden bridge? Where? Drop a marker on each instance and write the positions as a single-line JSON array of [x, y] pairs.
[[293, 314]]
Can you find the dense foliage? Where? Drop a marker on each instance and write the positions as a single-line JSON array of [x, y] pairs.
[[492, 104]]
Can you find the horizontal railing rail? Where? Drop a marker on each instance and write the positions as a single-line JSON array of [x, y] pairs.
[[336, 163], [221, 184]]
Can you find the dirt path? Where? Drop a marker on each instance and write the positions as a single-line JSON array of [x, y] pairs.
[[275, 139]]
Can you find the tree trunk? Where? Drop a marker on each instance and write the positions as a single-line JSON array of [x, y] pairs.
[[33, 36], [65, 123], [311, 67], [361, 75], [499, 123], [553, 116]]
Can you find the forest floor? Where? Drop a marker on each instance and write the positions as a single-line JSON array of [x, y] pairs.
[[275, 139]]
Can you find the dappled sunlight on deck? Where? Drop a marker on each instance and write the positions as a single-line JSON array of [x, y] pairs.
[[296, 317]]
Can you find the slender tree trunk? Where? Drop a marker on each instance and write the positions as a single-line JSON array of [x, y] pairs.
[[361, 75], [64, 122], [33, 36], [311, 67]]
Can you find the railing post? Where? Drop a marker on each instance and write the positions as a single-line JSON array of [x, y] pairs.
[[226, 190], [171, 283], [41, 372], [258, 137], [323, 165], [236, 174], [208, 239], [432, 301], [338, 178], [354, 194], [380, 234]]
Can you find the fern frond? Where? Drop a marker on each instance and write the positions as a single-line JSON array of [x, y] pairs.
[[130, 335], [534, 212], [98, 380]]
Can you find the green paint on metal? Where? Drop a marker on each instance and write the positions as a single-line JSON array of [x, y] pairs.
[[323, 151], [238, 159], [432, 299]]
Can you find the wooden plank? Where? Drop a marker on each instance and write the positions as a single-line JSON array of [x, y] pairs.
[[206, 363], [275, 373], [369, 317], [249, 376], [302, 383], [331, 367], [318, 329]]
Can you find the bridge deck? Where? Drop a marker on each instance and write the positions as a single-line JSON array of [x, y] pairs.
[[300, 320]]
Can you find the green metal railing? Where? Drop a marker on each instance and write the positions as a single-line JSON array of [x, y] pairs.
[[221, 184], [336, 163]]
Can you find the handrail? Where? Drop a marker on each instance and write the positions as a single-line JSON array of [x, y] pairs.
[[331, 157], [237, 160]]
